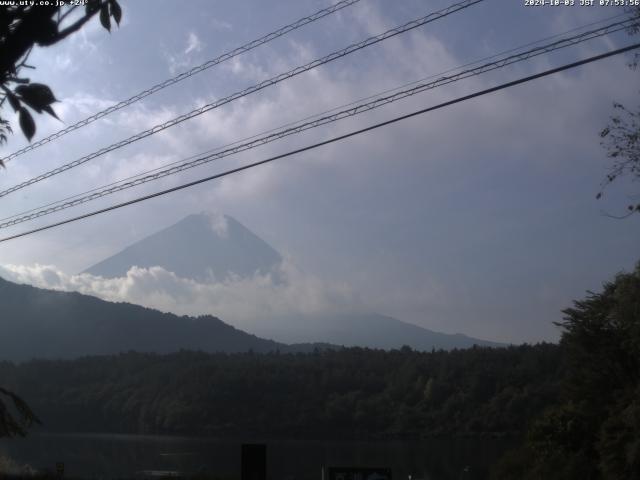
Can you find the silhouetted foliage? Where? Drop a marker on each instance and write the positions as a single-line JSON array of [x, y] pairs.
[[16, 422], [622, 141], [352, 392], [24, 26], [621, 138], [594, 431]]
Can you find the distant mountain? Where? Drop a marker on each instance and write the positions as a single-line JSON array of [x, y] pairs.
[[205, 245], [37, 323], [363, 330], [199, 247]]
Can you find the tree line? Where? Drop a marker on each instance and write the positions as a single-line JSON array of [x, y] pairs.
[[572, 409], [353, 392], [592, 430]]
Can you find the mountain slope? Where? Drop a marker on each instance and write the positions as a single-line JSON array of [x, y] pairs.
[[363, 330], [37, 323], [199, 247]]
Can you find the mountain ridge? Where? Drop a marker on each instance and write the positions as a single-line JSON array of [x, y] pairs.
[[40, 323], [202, 247], [208, 247], [365, 330]]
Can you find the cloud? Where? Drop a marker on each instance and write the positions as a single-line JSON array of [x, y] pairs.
[[187, 57], [194, 44], [219, 224], [82, 104], [484, 178], [221, 25], [321, 88], [63, 62], [235, 300]]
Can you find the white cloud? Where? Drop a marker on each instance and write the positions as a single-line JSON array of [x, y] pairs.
[[246, 69], [194, 44], [235, 300], [460, 152], [219, 224], [186, 58], [80, 105]]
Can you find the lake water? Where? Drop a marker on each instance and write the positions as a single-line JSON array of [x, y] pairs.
[[117, 456]]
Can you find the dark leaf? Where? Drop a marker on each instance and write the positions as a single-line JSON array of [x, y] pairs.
[[92, 7], [104, 17], [10, 426], [13, 101], [598, 196], [46, 32], [36, 95], [604, 132], [116, 11], [50, 111], [27, 124], [4, 124]]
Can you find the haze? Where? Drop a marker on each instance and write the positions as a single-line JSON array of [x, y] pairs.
[[480, 218]]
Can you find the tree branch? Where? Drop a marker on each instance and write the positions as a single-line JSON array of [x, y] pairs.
[[65, 14], [622, 217], [74, 27]]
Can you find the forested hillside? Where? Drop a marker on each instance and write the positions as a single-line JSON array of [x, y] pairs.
[[353, 392], [592, 430], [38, 323]]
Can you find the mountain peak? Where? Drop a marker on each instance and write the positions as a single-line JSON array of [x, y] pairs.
[[200, 247]]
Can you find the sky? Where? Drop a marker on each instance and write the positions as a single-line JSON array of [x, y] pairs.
[[480, 218]]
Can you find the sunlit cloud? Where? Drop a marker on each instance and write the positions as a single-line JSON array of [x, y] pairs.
[[234, 299]]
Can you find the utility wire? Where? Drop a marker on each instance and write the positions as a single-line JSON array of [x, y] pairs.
[[206, 157], [329, 141], [315, 115], [184, 75], [255, 88], [159, 86]]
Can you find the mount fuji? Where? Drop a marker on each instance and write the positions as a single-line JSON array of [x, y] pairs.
[[206, 247]]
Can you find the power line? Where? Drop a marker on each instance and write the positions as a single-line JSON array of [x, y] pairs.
[[589, 35], [255, 88], [189, 73], [315, 115], [256, 141], [496, 55], [329, 141]]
